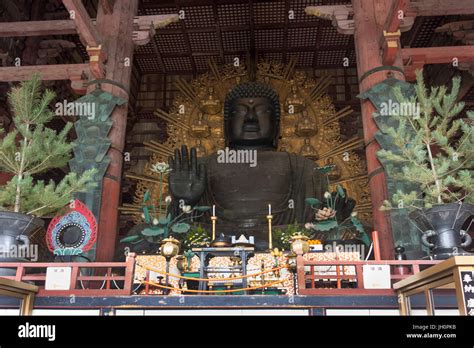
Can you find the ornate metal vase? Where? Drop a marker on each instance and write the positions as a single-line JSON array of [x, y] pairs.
[[441, 226], [15, 229]]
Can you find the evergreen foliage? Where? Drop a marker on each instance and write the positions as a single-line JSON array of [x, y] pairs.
[[434, 148], [32, 148]]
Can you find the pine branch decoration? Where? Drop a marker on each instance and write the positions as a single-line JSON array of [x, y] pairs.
[[32, 148], [434, 147]]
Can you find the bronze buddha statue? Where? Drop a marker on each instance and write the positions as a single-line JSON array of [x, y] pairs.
[[242, 192]]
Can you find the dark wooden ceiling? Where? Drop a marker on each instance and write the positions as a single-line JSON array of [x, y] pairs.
[[225, 30]]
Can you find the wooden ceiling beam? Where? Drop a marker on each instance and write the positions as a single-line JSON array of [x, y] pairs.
[[390, 39], [47, 72], [227, 28], [204, 70], [240, 52], [37, 28], [392, 24], [86, 29], [57, 27], [440, 55], [440, 8], [416, 58]]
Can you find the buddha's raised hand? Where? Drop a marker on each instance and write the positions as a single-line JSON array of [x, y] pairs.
[[187, 180]]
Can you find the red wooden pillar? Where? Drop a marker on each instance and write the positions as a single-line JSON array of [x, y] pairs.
[[369, 20], [116, 30]]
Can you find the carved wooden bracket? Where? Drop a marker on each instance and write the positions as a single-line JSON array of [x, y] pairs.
[[390, 46], [79, 84], [462, 30], [143, 35], [341, 17], [144, 27], [338, 14], [97, 58]]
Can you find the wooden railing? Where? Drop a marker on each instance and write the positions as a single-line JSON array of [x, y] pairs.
[[340, 282], [103, 280]]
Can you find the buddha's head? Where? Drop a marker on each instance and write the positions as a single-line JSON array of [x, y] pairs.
[[251, 116]]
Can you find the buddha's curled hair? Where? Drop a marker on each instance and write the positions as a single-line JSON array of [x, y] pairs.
[[252, 90]]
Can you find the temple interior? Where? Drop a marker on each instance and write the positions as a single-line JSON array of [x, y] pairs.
[[211, 148]]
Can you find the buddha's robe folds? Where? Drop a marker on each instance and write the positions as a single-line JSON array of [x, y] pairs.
[[242, 193]]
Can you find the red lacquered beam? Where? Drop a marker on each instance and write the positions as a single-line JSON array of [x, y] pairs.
[[64, 264], [371, 262]]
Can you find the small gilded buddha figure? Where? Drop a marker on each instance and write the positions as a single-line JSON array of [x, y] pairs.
[[242, 191]]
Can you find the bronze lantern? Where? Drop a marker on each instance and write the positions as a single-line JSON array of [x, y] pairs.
[[169, 247], [299, 244]]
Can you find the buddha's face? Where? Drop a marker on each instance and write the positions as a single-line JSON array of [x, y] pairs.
[[252, 122]]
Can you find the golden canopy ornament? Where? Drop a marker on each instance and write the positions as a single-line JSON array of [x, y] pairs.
[[308, 126]]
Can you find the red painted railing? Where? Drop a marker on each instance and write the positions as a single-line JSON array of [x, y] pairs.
[[104, 282], [308, 277]]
